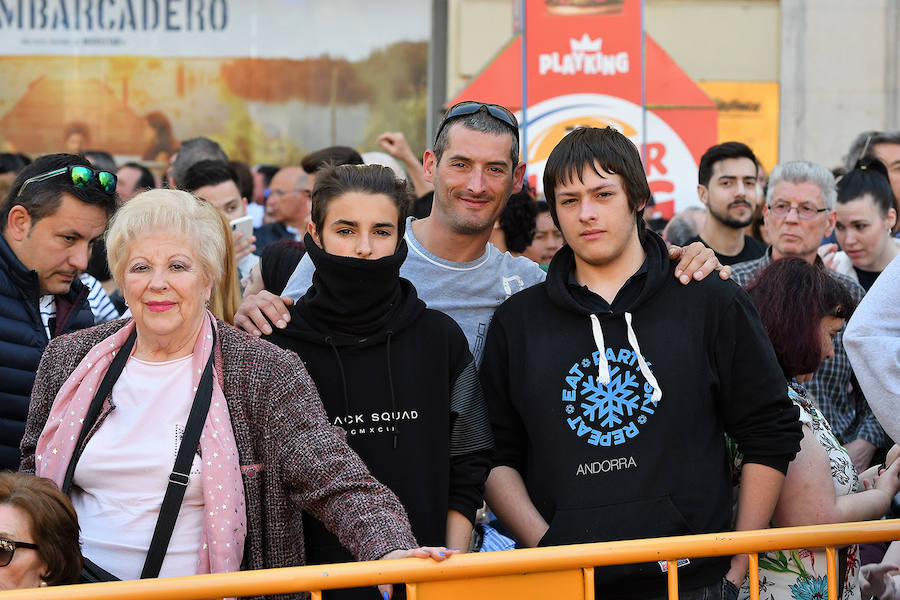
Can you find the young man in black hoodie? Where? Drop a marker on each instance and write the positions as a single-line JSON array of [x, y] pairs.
[[611, 387]]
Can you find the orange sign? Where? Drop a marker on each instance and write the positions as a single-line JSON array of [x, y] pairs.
[[583, 68]]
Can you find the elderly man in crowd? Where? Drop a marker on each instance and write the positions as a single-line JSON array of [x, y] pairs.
[[799, 213]]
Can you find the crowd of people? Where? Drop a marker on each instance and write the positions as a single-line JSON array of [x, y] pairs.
[[365, 356]]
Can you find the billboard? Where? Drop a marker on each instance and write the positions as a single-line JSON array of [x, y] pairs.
[[585, 65], [270, 79]]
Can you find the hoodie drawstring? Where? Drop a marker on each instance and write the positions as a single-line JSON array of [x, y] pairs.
[[394, 406], [340, 363], [645, 369], [603, 377], [603, 364]]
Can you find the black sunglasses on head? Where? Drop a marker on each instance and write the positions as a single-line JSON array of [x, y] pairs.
[[470, 108], [80, 176], [8, 549]]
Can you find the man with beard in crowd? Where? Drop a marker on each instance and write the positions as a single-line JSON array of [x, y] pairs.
[[728, 188]]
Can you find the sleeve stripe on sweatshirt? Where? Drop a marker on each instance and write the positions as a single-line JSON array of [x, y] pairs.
[[471, 430]]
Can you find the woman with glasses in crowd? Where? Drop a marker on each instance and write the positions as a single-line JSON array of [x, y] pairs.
[[114, 405], [38, 534], [802, 308], [865, 218], [397, 376]]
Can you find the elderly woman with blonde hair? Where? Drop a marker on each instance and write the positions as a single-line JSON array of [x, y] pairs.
[[114, 405]]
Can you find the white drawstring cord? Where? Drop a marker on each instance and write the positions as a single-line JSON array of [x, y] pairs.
[[603, 364], [648, 374]]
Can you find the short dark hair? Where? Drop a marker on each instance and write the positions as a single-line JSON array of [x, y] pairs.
[[722, 152], [54, 523], [869, 176], [42, 198], [245, 178], [207, 172], [518, 220], [613, 152], [482, 121], [101, 159], [146, 181], [332, 155], [792, 297], [13, 163], [371, 179], [267, 171], [193, 151]]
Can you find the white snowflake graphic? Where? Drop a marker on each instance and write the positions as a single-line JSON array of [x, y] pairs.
[[608, 403]]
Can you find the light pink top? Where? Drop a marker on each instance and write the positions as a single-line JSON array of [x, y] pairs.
[[122, 475]]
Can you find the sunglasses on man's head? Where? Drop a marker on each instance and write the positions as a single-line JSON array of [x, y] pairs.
[[470, 108], [8, 549], [80, 176]]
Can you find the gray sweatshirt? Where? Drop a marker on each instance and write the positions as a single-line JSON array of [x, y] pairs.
[[468, 292], [872, 341]]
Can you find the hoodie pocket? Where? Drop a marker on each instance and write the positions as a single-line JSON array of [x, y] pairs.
[[646, 518], [638, 519]]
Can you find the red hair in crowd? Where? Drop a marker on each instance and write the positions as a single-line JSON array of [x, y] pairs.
[[792, 297]]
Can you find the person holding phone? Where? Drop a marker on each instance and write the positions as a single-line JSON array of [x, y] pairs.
[[217, 183]]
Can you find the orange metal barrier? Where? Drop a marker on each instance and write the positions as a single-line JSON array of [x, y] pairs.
[[560, 572]]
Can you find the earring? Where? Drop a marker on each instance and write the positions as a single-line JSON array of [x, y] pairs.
[[43, 584], [207, 303]]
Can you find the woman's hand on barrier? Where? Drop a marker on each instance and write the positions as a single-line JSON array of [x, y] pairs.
[[437, 553], [878, 580]]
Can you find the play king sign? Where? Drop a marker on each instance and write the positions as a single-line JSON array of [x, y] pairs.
[[584, 69]]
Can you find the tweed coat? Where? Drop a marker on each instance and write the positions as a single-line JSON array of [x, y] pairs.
[[291, 458]]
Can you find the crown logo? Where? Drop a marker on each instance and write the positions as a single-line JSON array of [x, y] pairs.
[[585, 44]]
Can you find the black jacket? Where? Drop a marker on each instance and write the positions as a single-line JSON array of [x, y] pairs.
[[407, 396], [22, 341], [606, 462]]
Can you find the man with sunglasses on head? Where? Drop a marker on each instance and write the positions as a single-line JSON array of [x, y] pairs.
[[57, 208], [799, 214], [474, 168]]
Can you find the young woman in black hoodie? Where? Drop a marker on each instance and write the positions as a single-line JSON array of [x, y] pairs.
[[395, 375]]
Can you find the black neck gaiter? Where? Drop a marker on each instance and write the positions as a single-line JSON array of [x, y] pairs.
[[352, 296]]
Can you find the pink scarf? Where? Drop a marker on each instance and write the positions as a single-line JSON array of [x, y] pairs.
[[222, 542]]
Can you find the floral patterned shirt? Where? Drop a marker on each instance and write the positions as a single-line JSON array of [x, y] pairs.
[[801, 574]]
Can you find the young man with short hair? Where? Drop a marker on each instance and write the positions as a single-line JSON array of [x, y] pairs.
[[727, 186], [56, 210], [217, 183], [611, 387]]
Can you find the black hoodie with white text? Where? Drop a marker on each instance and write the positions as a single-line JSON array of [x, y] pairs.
[[616, 418], [400, 380]]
